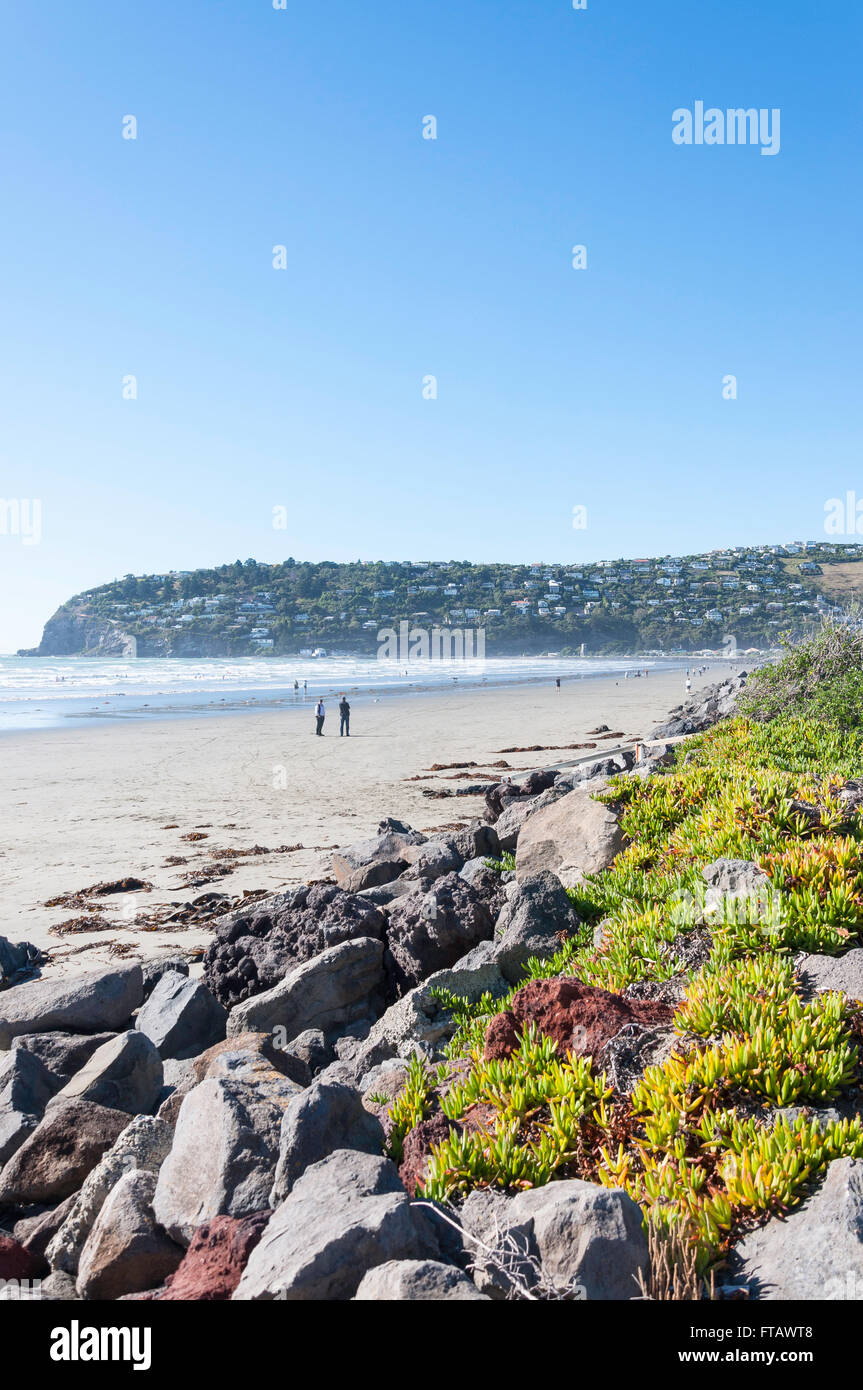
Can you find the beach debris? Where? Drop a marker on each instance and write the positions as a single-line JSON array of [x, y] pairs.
[[546, 748], [195, 835], [74, 925], [99, 890]]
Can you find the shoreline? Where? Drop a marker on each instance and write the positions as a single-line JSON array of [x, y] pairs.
[[192, 704], [104, 802]]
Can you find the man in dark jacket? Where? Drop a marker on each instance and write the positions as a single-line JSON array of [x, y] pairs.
[[320, 714], [344, 717]]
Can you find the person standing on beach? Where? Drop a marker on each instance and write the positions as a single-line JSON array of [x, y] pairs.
[[557, 682], [320, 716], [344, 717], [688, 685]]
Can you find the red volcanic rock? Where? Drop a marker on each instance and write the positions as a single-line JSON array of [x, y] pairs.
[[215, 1259], [580, 1018], [417, 1150], [18, 1263]]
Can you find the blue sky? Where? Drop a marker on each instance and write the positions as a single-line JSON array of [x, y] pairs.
[[406, 257]]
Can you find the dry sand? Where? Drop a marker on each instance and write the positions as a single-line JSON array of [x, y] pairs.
[[89, 804]]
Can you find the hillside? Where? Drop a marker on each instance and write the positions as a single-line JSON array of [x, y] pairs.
[[688, 603]]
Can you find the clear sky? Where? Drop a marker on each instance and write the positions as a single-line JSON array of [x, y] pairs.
[[407, 258]]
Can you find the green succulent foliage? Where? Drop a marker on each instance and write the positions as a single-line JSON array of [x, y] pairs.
[[698, 1143]]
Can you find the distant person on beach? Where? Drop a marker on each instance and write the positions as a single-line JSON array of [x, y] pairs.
[[305, 686], [320, 716], [344, 717], [557, 682], [688, 685]]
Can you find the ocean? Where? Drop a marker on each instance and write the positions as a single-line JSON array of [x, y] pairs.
[[49, 692]]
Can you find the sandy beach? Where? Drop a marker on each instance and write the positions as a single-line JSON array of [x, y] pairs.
[[88, 805]]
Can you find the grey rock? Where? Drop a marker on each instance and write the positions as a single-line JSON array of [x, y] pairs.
[[344, 1216], [123, 1074], [142, 1146], [55, 1159], [416, 1280], [331, 990], [844, 973], [312, 1050], [96, 1002], [509, 824], [816, 1252], [17, 960], [326, 1117], [59, 1288], [573, 837], [153, 970], [255, 947], [35, 1233], [224, 1155], [626, 1055], [432, 930], [26, 1086], [181, 1017], [389, 845], [62, 1053], [534, 922], [126, 1252], [737, 890], [587, 1240]]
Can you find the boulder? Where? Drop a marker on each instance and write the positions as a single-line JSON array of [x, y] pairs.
[[142, 1146], [570, 1238], [737, 890], [580, 1018], [126, 1251], [325, 1117], [509, 824], [153, 970], [401, 1281], [375, 875], [311, 1049], [123, 1074], [62, 1053], [255, 947], [36, 1232], [96, 1002], [816, 1251], [332, 989], [253, 1057], [388, 845], [344, 1216], [535, 921], [181, 1017], [17, 960], [819, 974], [55, 1159], [217, 1255], [430, 931], [224, 1155], [26, 1086], [573, 837], [419, 1022]]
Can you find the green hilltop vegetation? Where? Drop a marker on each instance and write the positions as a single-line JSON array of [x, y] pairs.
[[728, 1129], [691, 603]]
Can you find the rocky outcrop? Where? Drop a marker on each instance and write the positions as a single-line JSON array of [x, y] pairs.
[[535, 921], [181, 1017], [431, 930], [327, 992], [55, 1159], [344, 1216], [254, 948], [99, 1001], [574, 1239], [126, 1251], [403, 1281], [573, 837], [703, 710], [816, 1251], [325, 1117]]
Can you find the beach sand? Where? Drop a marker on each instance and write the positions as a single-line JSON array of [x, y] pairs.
[[89, 804]]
